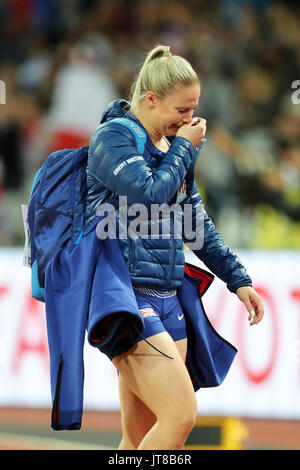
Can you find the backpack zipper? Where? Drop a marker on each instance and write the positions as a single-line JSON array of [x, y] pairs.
[[73, 176]]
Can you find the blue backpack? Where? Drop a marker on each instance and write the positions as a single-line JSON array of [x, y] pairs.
[[57, 205]]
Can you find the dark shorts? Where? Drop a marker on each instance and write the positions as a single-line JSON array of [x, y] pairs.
[[161, 314]]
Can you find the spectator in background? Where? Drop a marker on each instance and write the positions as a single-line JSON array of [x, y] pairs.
[[82, 89], [11, 163], [33, 71]]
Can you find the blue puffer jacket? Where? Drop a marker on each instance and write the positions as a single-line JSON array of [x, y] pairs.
[[154, 179]]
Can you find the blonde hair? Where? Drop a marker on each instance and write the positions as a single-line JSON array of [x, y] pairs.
[[160, 73]]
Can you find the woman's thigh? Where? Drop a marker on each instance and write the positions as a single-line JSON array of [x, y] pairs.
[[136, 417], [162, 385]]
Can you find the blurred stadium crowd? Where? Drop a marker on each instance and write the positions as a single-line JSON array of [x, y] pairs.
[[63, 61]]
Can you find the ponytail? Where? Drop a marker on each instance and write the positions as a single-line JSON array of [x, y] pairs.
[[160, 73]]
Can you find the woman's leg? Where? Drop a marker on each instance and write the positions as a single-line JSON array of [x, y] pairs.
[[136, 418], [157, 397]]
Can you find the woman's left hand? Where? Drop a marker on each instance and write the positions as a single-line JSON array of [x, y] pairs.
[[253, 303]]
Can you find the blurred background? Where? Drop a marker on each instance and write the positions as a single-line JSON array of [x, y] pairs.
[[61, 63]]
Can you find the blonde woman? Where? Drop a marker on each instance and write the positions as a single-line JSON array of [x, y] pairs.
[[157, 399]]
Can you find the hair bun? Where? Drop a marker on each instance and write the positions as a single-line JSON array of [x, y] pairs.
[[157, 52]]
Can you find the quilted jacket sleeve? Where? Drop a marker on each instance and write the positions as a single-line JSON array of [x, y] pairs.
[[114, 162], [211, 248]]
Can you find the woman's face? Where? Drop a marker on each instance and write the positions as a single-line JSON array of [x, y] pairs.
[[174, 110]]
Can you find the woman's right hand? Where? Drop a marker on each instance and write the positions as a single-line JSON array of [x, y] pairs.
[[194, 131]]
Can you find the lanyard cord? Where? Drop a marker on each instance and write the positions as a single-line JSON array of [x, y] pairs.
[[148, 342]]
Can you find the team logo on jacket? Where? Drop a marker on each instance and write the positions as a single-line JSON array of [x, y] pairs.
[[147, 312]]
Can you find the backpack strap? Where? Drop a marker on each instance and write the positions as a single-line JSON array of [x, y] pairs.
[[34, 181], [139, 134]]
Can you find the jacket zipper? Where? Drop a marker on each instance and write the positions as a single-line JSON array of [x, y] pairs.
[[131, 247], [74, 165], [173, 249]]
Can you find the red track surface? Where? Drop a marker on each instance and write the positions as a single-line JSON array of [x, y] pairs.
[[263, 434]]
